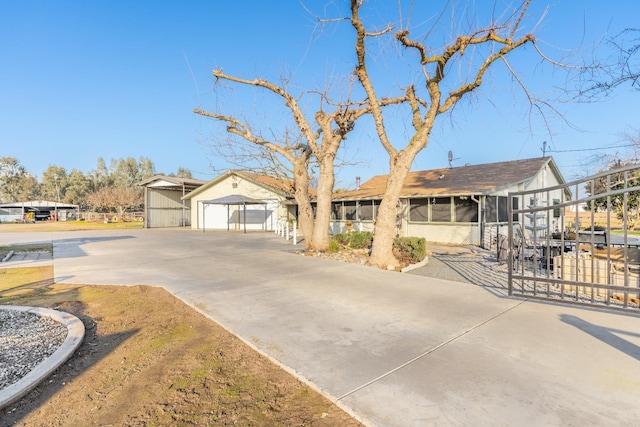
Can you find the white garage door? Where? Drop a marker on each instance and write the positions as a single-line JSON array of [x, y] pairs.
[[221, 217], [212, 217]]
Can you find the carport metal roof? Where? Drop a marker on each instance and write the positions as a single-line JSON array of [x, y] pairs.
[[171, 183], [235, 200], [41, 204]]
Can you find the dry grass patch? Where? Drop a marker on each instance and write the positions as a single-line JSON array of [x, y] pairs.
[[150, 360]]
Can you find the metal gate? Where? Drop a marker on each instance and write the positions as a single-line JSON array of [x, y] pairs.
[[574, 243]]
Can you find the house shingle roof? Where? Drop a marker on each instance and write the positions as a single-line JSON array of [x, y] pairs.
[[277, 184], [473, 179]]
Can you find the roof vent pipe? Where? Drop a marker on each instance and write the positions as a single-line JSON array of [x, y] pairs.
[[357, 182]]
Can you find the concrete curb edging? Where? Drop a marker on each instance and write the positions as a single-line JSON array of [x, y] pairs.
[[75, 334], [8, 257], [422, 263]]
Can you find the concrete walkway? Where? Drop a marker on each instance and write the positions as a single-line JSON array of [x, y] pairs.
[[392, 349]]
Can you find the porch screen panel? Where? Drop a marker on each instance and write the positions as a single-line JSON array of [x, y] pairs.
[[491, 209], [503, 209], [419, 210], [366, 210], [466, 210], [515, 204], [336, 211], [350, 211], [441, 209]]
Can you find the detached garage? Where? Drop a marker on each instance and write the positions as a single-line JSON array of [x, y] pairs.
[[240, 201], [164, 203]]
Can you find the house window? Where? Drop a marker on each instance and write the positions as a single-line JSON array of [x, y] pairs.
[[491, 209], [514, 205], [336, 211], [350, 211], [367, 209], [503, 209], [418, 210], [466, 209], [441, 209], [556, 211]]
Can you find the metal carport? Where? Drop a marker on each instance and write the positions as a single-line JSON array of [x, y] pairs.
[[235, 200]]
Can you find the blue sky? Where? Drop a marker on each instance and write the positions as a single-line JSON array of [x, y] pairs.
[[86, 79]]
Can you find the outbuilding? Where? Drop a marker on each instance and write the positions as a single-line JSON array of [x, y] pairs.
[[164, 202], [38, 210], [238, 200]]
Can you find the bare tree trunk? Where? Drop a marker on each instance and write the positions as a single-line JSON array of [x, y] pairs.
[[382, 250], [301, 194], [326, 180]]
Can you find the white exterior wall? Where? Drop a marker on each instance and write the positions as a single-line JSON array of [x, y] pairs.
[[217, 216], [336, 227], [455, 234], [545, 179]]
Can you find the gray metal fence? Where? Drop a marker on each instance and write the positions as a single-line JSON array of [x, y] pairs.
[[574, 243]]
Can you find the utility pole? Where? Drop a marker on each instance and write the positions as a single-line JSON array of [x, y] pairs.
[[544, 149]]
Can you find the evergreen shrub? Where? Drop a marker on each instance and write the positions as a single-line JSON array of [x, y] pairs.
[[360, 239], [410, 250]]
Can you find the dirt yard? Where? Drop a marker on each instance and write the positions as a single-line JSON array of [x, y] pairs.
[[150, 360]]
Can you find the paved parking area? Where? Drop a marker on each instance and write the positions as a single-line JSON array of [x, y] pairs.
[[473, 266], [392, 349]]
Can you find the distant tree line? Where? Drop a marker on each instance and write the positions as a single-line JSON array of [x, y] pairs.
[[103, 189]]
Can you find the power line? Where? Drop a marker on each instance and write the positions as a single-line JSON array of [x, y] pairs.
[[591, 149]]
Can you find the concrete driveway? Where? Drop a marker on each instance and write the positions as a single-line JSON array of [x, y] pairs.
[[392, 349]]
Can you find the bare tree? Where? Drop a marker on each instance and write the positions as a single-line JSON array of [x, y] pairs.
[[440, 87], [439, 78], [295, 153], [115, 199], [624, 70], [319, 137]]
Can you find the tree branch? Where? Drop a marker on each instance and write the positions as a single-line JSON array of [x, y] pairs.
[[238, 128], [455, 96], [289, 100], [363, 76]]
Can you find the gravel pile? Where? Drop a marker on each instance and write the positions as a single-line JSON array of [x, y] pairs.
[[26, 340]]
